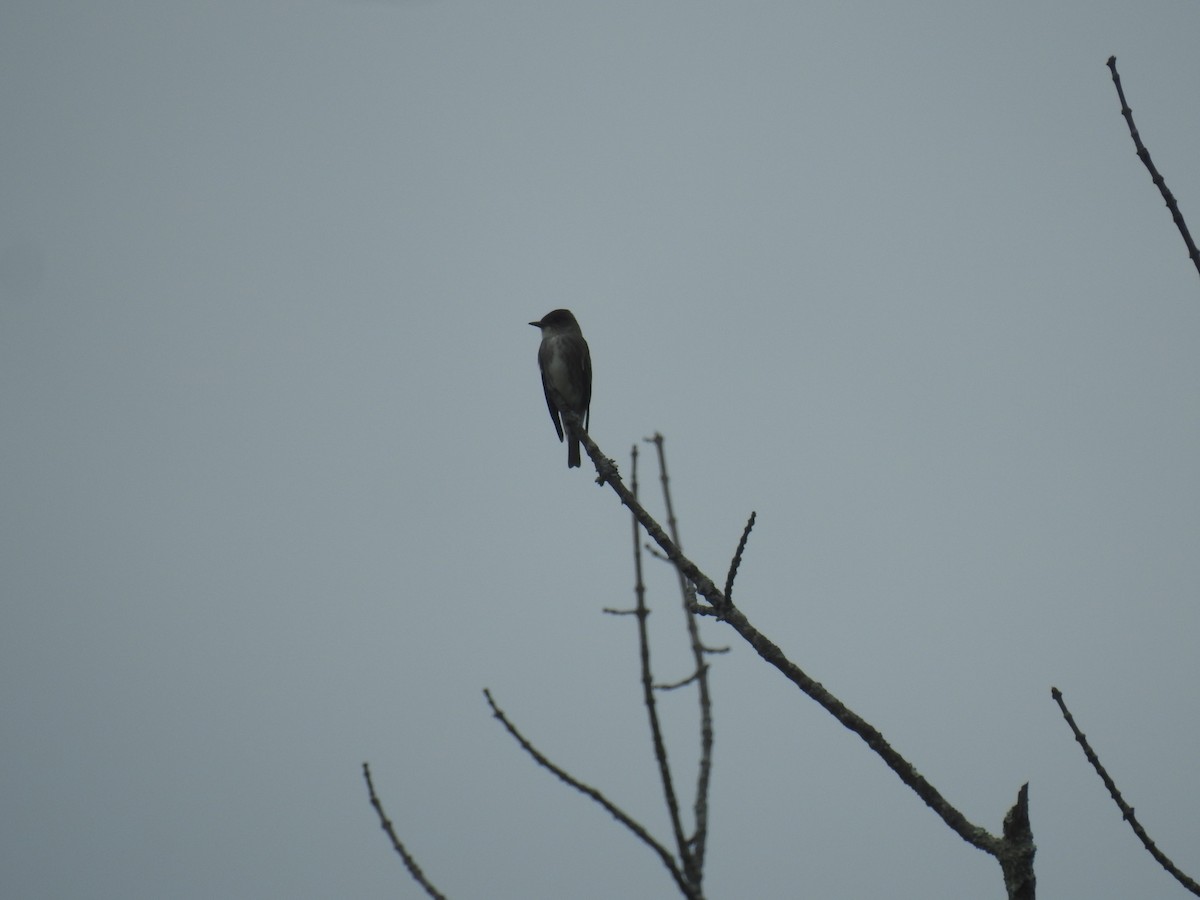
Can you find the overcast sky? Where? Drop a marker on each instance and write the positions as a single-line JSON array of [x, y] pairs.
[[279, 493]]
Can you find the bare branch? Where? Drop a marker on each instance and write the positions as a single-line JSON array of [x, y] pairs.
[[1016, 857], [688, 890], [656, 553], [704, 771], [1126, 809], [606, 471], [737, 558], [676, 685], [771, 653], [656, 737], [1007, 854], [1144, 156], [386, 824]]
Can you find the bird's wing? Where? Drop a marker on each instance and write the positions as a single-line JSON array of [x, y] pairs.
[[542, 362], [587, 386]]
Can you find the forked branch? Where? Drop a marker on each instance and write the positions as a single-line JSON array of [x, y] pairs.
[[589, 791], [1014, 851]]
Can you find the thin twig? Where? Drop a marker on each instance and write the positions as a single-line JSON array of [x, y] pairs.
[[656, 737], [656, 553], [1144, 156], [704, 770], [386, 824], [1126, 809], [676, 685], [737, 558], [613, 810]]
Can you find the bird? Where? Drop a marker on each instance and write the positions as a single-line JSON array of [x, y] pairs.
[[566, 366]]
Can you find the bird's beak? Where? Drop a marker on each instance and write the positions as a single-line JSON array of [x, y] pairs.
[[536, 324]]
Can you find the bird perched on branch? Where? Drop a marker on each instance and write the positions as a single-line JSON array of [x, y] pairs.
[[566, 366]]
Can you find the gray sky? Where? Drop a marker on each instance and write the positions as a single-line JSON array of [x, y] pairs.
[[279, 492]]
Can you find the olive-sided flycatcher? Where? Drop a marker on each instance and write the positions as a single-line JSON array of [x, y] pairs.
[[566, 368]]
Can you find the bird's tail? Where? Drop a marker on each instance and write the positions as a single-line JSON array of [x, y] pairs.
[[572, 452]]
